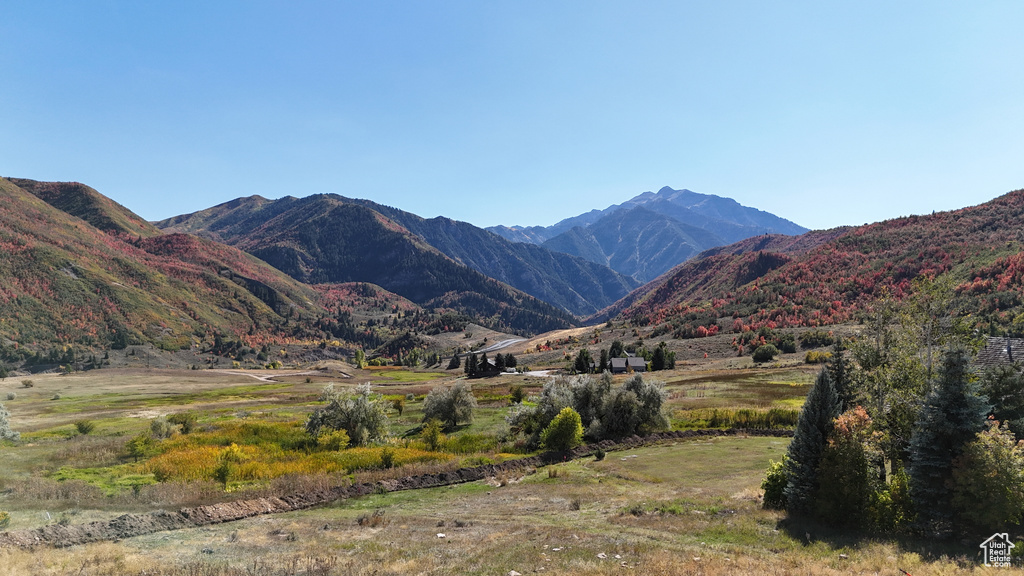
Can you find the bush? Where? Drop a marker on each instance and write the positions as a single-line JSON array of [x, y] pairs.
[[988, 480], [564, 433], [765, 353], [450, 405], [27, 383], [774, 485], [843, 500], [399, 405], [85, 426], [186, 420], [5, 426], [333, 440], [11, 396], [599, 454], [160, 428], [140, 446], [5, 520], [362, 415], [816, 339], [891, 509], [517, 394], [432, 434], [387, 458], [817, 357]]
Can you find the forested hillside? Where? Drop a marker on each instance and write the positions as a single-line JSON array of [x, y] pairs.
[[830, 277], [326, 239]]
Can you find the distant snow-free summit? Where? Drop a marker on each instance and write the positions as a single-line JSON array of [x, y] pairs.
[[652, 232]]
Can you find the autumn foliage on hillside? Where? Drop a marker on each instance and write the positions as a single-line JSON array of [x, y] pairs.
[[833, 277], [66, 282]]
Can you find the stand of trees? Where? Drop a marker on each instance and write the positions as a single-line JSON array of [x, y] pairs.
[[900, 434]]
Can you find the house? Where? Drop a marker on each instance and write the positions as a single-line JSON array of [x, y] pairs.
[[630, 364], [1000, 351], [637, 363], [619, 365]]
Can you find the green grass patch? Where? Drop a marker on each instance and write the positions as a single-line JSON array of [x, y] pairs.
[[111, 480]]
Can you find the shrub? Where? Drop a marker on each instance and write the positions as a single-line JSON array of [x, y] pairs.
[[5, 520], [5, 426], [844, 499], [27, 383], [599, 454], [765, 353], [988, 480], [774, 485], [187, 421], [140, 446], [432, 434], [85, 426], [333, 440], [375, 520], [517, 394], [399, 405], [891, 509], [816, 339], [11, 396], [160, 428], [450, 406], [229, 457], [363, 415], [817, 357], [387, 458], [564, 433], [55, 397]]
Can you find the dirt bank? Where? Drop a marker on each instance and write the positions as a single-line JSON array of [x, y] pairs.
[[130, 525]]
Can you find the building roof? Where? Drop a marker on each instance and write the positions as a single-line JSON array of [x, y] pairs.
[[1000, 351]]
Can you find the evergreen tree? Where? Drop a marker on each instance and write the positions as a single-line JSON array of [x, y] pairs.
[[510, 361], [617, 350], [841, 371], [471, 365], [809, 439], [482, 366], [455, 363], [953, 413], [602, 364], [658, 360], [499, 362], [583, 361]]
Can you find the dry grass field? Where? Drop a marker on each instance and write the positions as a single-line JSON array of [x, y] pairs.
[[683, 507]]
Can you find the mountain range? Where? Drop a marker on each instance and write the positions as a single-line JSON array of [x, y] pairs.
[[80, 270], [652, 232]]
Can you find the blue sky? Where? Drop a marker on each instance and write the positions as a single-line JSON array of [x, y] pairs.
[[826, 113]]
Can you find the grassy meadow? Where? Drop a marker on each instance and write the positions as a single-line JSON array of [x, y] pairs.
[[688, 507]]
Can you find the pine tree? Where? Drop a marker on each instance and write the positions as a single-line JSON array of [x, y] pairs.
[[455, 362], [841, 371], [471, 365], [809, 439], [953, 413]]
